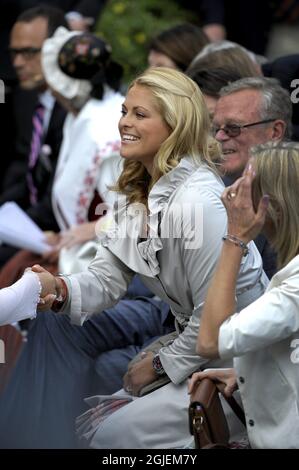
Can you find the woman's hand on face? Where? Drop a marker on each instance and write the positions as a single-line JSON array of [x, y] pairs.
[[225, 378], [243, 221]]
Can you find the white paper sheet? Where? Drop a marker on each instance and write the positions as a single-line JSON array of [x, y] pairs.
[[17, 229]]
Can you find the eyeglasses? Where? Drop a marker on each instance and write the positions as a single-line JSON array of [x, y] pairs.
[[234, 130], [27, 52]]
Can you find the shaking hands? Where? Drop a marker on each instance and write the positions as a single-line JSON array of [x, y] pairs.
[[51, 287]]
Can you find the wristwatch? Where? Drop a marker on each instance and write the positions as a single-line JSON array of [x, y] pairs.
[[157, 365]]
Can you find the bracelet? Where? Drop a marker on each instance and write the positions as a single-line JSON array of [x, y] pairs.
[[61, 299], [236, 241]]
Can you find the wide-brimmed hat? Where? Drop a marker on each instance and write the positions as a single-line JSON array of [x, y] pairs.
[[71, 61]]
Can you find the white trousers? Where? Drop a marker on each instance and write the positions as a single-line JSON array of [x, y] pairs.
[[156, 421]]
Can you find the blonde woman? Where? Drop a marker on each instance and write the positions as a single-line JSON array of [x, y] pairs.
[[263, 338], [168, 228]]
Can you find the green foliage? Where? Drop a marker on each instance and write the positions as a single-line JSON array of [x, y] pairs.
[[128, 25]]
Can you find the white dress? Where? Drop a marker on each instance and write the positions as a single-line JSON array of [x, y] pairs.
[[20, 300], [88, 161]]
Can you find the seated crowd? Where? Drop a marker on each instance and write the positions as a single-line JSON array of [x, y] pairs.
[[152, 201]]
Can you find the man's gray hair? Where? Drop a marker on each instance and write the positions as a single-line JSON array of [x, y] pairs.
[[276, 100]]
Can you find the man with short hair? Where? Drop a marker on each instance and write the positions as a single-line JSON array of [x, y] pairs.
[[27, 36], [251, 111]]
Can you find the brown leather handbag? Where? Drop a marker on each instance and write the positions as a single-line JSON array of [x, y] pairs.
[[207, 420]]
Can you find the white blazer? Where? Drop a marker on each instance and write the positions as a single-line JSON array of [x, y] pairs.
[[264, 339]]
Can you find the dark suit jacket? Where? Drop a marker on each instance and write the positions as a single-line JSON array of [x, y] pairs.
[[42, 174]]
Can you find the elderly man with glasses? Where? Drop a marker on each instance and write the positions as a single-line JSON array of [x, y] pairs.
[[251, 111]]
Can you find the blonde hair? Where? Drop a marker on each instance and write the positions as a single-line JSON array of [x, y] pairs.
[[277, 174], [182, 106]]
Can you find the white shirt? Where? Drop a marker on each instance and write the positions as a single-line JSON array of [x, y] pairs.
[[20, 300], [48, 101], [176, 265], [263, 338]]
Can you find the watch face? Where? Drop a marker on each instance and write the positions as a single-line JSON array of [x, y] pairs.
[[157, 365]]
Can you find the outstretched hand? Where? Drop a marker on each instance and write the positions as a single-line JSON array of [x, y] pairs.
[[244, 221]]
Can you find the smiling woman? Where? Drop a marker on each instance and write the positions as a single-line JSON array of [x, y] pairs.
[[152, 114], [142, 128]]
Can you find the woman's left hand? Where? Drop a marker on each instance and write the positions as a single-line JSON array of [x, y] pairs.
[[225, 377], [243, 221], [140, 374]]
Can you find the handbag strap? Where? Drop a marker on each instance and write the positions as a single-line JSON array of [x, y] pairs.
[[236, 409]]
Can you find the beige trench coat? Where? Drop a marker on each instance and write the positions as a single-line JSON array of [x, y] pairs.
[[186, 221]]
